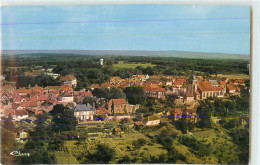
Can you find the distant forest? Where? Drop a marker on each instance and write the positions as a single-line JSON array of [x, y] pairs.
[[87, 70]]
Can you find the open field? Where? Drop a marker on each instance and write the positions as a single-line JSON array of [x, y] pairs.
[[234, 76], [121, 64]]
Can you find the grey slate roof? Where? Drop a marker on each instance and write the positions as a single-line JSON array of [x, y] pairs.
[[213, 82], [83, 107]]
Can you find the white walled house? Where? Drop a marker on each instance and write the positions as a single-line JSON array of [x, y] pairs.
[[151, 121], [84, 112], [66, 98]]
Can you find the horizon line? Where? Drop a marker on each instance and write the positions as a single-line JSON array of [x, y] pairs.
[[118, 50]]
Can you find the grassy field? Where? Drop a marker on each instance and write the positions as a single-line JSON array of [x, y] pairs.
[[234, 76], [121, 64]]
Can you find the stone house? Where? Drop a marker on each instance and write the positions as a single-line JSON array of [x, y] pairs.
[[84, 112], [118, 106], [158, 93], [69, 79]]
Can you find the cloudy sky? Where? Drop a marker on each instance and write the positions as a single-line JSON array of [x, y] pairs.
[[223, 29]]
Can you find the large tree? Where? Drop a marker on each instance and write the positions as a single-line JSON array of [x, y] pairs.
[[103, 155], [206, 110], [112, 93], [116, 93], [63, 119], [135, 95]]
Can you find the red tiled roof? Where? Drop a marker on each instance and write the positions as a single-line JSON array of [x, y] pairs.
[[42, 97], [101, 111], [65, 86], [205, 86], [51, 101], [87, 93], [34, 95], [36, 87], [105, 85], [218, 88], [68, 78], [52, 87], [54, 92], [155, 77], [22, 91], [222, 82], [177, 111], [139, 123], [9, 111], [155, 82], [118, 101], [19, 98], [230, 87], [7, 87], [15, 106], [94, 86], [33, 99], [140, 76], [20, 112], [29, 104], [146, 84], [154, 89], [56, 102], [154, 85], [178, 83]]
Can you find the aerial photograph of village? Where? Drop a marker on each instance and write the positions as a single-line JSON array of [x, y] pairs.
[[125, 84]]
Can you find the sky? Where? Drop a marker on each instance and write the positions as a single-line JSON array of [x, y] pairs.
[[197, 28]]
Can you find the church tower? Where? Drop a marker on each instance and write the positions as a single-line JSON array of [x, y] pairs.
[[194, 84]]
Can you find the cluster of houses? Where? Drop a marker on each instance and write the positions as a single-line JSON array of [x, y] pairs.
[[25, 103], [185, 88]]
